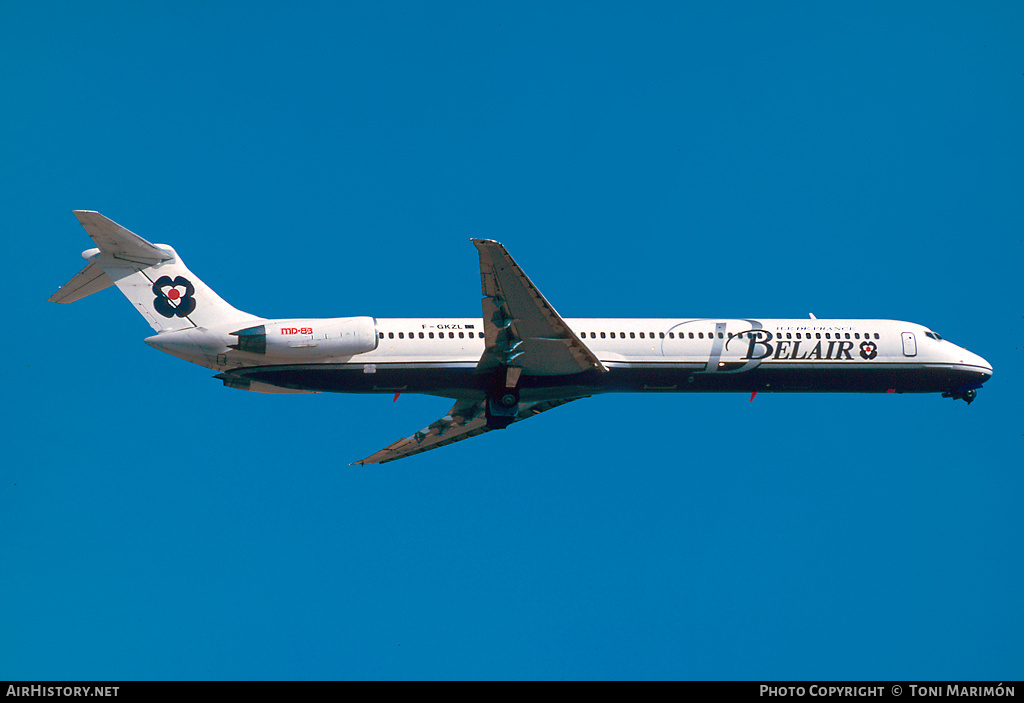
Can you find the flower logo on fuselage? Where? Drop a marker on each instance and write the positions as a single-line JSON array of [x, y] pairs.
[[174, 298], [868, 350]]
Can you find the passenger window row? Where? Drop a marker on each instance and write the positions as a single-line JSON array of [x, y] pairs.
[[828, 335], [651, 335], [721, 335], [430, 335]]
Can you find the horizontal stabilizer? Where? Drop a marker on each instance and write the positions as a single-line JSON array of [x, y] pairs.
[[118, 242], [86, 282]]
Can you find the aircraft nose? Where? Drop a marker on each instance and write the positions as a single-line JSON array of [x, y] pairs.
[[982, 366]]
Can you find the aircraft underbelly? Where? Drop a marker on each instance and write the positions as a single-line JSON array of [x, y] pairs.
[[457, 380]]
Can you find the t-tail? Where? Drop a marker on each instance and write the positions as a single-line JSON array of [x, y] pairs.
[[151, 276], [194, 323]]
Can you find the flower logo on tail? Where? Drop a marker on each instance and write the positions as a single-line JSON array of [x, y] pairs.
[[174, 297]]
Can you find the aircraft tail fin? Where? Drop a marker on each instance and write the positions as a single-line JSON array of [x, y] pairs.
[[151, 276]]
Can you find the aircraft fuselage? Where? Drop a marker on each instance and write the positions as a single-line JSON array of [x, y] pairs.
[[439, 356]]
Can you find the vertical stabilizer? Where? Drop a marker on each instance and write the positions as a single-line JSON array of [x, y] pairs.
[[151, 276]]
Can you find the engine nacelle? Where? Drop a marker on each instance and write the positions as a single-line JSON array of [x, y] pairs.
[[336, 336]]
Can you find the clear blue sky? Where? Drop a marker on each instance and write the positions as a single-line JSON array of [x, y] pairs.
[[652, 160]]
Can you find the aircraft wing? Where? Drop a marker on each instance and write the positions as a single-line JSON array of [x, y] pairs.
[[523, 335], [466, 419], [521, 329]]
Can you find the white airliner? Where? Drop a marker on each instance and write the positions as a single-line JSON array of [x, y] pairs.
[[520, 357]]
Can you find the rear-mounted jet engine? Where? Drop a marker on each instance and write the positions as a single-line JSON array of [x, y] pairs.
[[342, 336]]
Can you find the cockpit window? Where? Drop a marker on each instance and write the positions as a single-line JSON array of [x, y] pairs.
[[933, 335]]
